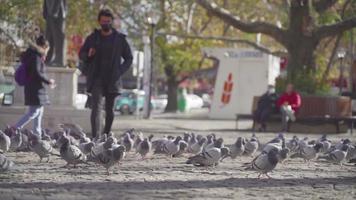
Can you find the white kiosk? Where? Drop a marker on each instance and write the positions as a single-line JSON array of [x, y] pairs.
[[242, 74]]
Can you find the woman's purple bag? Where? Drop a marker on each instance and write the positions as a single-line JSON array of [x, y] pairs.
[[22, 77]]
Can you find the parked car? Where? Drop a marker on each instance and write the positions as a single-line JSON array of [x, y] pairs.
[[160, 102], [128, 100]]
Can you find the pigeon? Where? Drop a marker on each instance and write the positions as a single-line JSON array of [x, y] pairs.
[[111, 156], [251, 146], [16, 140], [283, 154], [293, 144], [186, 137], [326, 143], [139, 139], [238, 148], [25, 141], [276, 143], [302, 143], [5, 163], [183, 148], [211, 157], [86, 147], [210, 142], [197, 147], [145, 146], [101, 147], [192, 141], [265, 162], [5, 142], [351, 153], [128, 142], [40, 147], [308, 152], [71, 153], [337, 156], [74, 130], [172, 147]]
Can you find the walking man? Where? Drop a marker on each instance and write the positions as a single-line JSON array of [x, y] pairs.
[[106, 56]]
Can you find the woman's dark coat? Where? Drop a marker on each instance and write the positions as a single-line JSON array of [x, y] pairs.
[[35, 91]]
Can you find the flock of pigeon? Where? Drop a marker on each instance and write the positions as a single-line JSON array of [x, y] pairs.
[[73, 146]]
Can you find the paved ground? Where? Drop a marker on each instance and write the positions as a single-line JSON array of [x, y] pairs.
[[162, 178]]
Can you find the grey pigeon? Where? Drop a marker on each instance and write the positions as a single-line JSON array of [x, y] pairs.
[[5, 142], [16, 140], [183, 148], [41, 147], [186, 137], [209, 143], [139, 139], [71, 153], [351, 153], [5, 163], [211, 157], [192, 140], [172, 147], [197, 147], [308, 152], [145, 146], [265, 162], [86, 147], [337, 156], [111, 157], [238, 148], [293, 144], [128, 142], [24, 142], [251, 146]]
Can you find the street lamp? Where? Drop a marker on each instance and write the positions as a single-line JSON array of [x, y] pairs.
[[341, 55], [152, 20]]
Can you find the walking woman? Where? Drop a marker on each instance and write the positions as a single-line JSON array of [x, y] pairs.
[[35, 92]]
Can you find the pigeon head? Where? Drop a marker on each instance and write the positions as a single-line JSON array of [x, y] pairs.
[[225, 152], [284, 153], [239, 142], [318, 147], [346, 141], [183, 146], [295, 137], [170, 137], [150, 138], [199, 137], [178, 138], [323, 137], [345, 148], [186, 137], [280, 135], [219, 143], [202, 141], [121, 148]]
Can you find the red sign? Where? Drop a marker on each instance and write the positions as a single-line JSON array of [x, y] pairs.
[[228, 85]]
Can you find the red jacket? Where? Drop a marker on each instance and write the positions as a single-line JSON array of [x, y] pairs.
[[293, 99]]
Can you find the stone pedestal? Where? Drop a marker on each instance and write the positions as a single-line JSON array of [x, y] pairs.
[[62, 108]]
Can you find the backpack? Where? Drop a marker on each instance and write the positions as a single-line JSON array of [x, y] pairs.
[[22, 77]]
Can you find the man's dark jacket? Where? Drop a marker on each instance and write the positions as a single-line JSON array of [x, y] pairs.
[[121, 50]]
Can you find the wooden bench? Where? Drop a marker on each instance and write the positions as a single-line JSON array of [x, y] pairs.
[[316, 114]]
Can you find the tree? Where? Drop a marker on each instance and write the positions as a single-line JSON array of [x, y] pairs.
[[302, 33]]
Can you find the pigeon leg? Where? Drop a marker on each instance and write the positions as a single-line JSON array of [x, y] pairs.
[[47, 159], [259, 175], [268, 176], [107, 172]]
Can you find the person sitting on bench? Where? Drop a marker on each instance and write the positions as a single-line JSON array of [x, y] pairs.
[[265, 107], [288, 104]]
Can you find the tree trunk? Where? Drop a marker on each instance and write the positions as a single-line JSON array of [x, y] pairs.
[[172, 84]]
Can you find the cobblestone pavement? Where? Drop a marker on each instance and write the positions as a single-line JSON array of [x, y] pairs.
[[161, 178]]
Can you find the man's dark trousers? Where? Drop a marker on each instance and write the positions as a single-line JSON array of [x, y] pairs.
[[98, 93]]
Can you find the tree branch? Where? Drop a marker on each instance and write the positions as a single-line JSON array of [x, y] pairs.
[[261, 48], [338, 28], [253, 27], [322, 5]]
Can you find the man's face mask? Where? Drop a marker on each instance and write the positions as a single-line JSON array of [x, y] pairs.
[[106, 27]]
